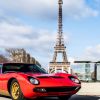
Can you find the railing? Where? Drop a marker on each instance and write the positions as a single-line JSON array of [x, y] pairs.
[[60, 62]]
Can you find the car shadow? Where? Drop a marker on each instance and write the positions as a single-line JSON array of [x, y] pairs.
[[75, 97], [84, 97], [5, 97]]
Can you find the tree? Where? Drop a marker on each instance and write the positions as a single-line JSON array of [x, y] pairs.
[[17, 55], [20, 55], [3, 59]]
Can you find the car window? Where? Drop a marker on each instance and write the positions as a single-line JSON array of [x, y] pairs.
[[16, 67]]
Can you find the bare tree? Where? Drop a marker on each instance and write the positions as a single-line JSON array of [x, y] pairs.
[[16, 54], [20, 55], [3, 59]]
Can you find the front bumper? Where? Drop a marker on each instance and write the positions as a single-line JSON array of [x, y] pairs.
[[54, 91]]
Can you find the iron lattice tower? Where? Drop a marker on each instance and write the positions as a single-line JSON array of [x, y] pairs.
[[62, 66]]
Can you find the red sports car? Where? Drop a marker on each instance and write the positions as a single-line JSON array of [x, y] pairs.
[[24, 81]]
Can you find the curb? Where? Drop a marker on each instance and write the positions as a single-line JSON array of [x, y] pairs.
[[88, 95]]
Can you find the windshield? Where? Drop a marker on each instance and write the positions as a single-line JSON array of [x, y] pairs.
[[33, 68]]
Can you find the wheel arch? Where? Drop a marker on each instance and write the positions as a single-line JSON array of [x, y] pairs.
[[9, 83]]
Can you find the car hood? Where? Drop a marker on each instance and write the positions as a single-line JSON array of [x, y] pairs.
[[52, 80]]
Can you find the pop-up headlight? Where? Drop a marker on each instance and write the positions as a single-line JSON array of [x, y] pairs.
[[33, 81], [75, 80]]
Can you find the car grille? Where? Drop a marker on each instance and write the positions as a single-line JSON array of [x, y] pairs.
[[60, 89], [56, 89], [58, 77]]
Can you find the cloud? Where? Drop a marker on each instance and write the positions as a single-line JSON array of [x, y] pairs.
[[98, 1], [7, 28], [38, 42], [47, 9], [21, 35], [11, 35], [92, 53], [78, 9]]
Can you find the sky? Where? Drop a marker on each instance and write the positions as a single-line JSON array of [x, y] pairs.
[[32, 25]]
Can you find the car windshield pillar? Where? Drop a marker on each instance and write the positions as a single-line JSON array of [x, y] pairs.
[[0, 68]]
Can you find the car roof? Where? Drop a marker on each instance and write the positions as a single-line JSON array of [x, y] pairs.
[[15, 63]]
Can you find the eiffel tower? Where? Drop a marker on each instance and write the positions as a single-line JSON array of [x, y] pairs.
[[64, 65]]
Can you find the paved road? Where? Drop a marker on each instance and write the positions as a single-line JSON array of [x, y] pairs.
[[90, 89], [75, 97]]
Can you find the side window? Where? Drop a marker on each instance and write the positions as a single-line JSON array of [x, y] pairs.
[[0, 68]]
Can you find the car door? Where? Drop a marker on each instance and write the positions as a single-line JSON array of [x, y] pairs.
[[0, 78], [3, 82]]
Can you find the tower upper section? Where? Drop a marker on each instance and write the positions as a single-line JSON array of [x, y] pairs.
[[60, 2], [60, 40]]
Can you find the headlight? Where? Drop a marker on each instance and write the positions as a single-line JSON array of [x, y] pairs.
[[75, 80], [33, 81]]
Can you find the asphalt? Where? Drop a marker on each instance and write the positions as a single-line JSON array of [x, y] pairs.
[[75, 97]]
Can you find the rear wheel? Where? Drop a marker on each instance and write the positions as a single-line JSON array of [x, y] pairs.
[[64, 97], [15, 91]]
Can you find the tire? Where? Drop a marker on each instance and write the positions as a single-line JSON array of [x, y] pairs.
[[64, 97], [15, 91]]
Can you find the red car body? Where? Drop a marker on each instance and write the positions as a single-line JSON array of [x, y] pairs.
[[59, 84]]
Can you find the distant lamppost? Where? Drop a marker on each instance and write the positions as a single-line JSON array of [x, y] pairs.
[[95, 72], [95, 69]]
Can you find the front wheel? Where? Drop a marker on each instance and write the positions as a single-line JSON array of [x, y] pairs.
[[15, 91], [64, 97]]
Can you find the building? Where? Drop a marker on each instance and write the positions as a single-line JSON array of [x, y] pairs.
[[98, 72]]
